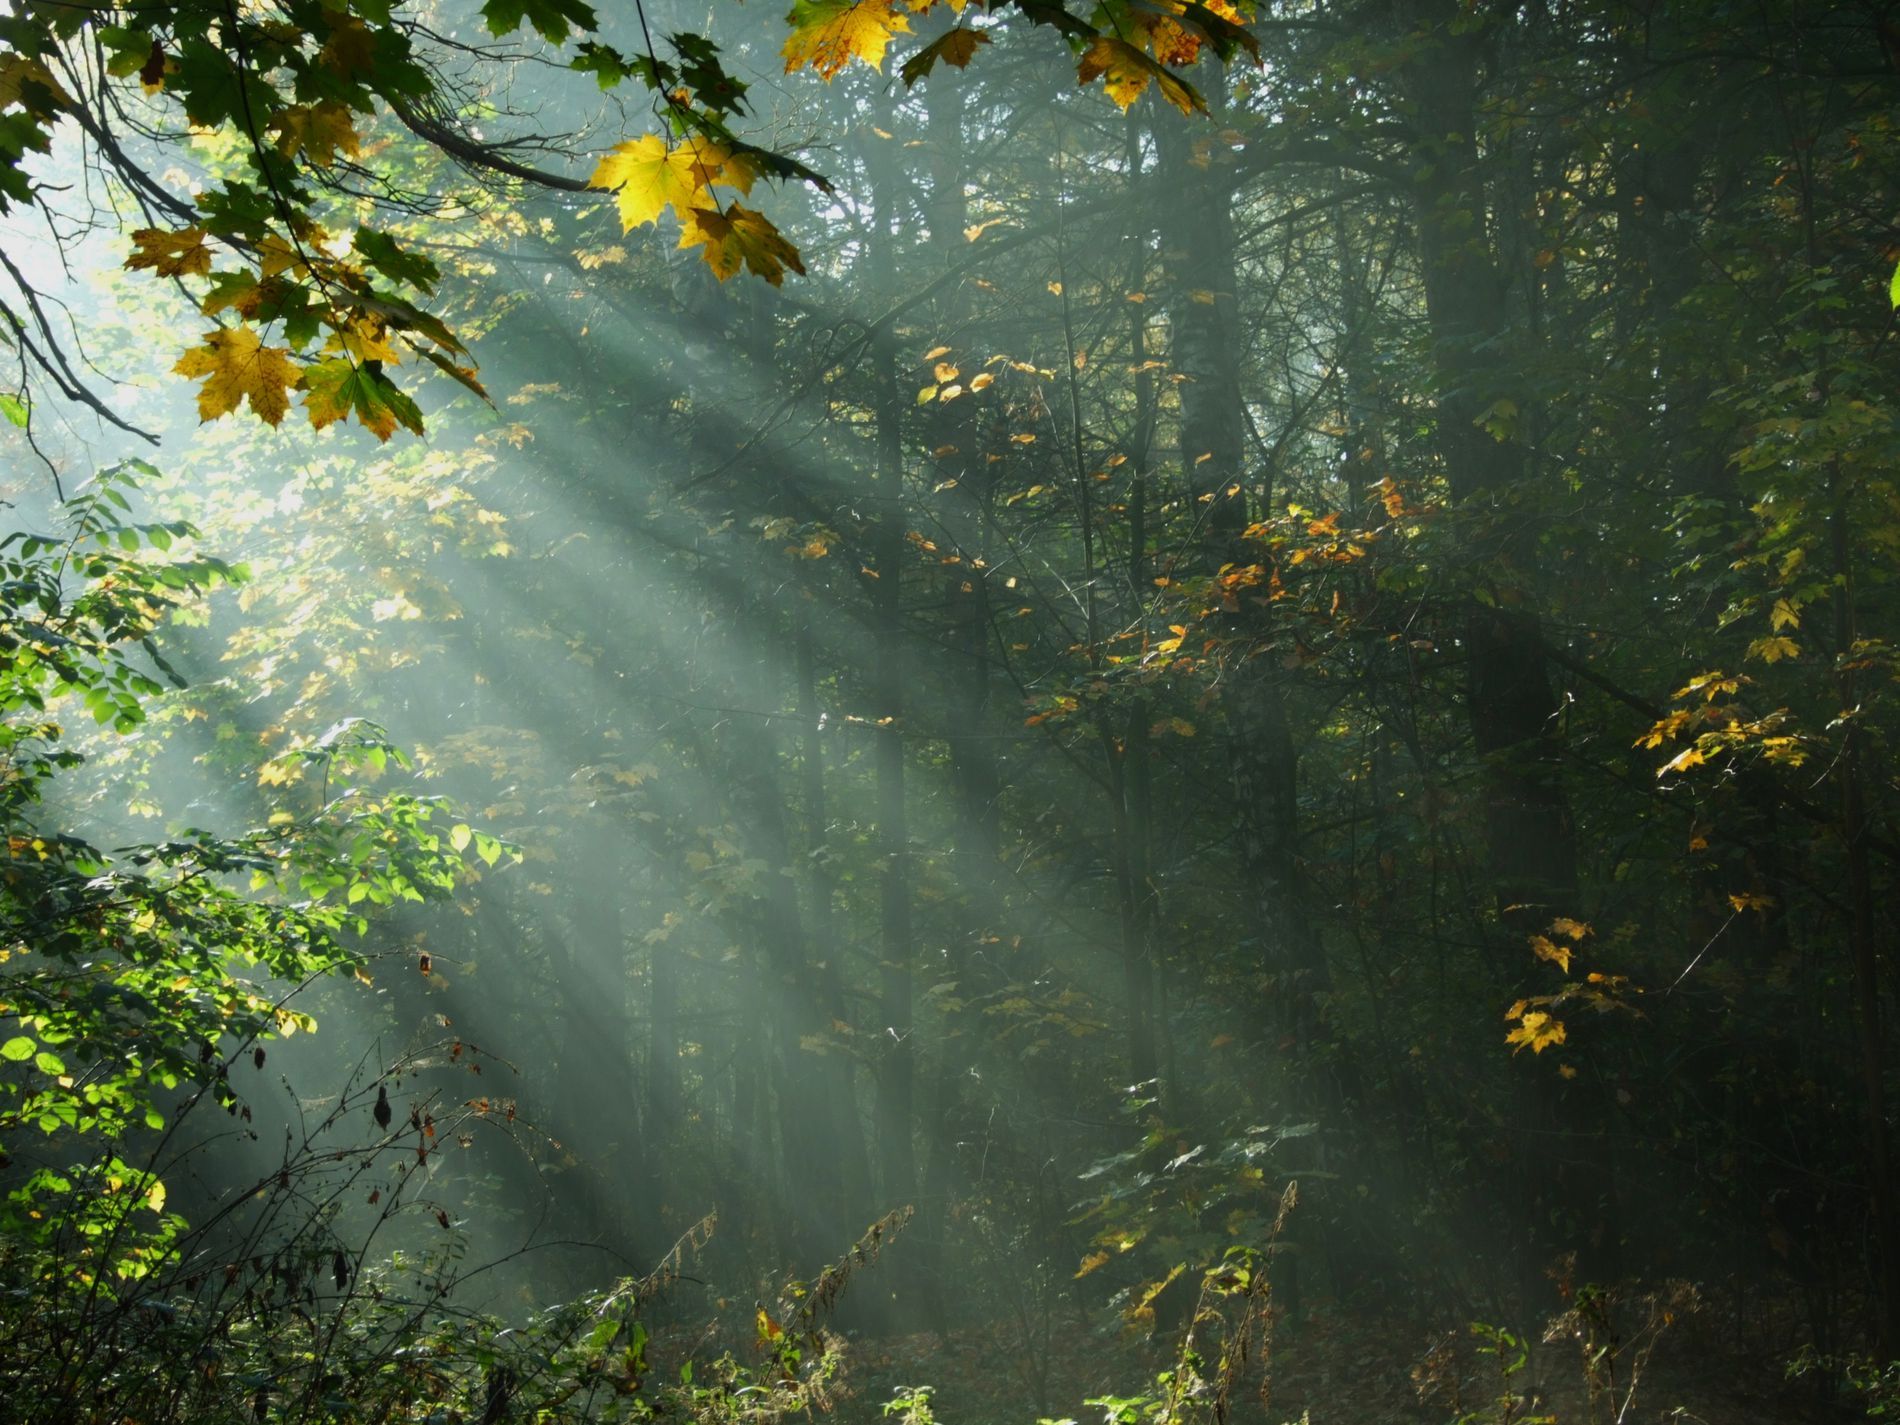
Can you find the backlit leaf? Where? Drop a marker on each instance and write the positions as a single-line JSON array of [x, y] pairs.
[[828, 34], [235, 365]]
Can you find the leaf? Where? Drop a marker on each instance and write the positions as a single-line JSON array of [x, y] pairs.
[[1783, 615], [13, 409], [1536, 1031], [955, 48], [18, 1048], [316, 131], [170, 254], [31, 85], [1774, 649], [828, 34], [336, 388], [648, 177], [235, 366], [1126, 72], [1574, 929], [1090, 1263], [1544, 948], [552, 19], [740, 236], [155, 1196], [1893, 288]]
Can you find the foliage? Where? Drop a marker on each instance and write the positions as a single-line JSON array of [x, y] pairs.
[[1364, 613], [301, 94]]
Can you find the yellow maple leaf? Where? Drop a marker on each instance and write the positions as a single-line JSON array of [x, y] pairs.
[[1575, 929], [170, 254], [1535, 1031], [1544, 948], [1682, 761], [275, 255], [235, 366], [828, 34], [315, 130], [1774, 649], [955, 48], [740, 236], [1126, 73], [647, 176], [1090, 1263], [365, 338]]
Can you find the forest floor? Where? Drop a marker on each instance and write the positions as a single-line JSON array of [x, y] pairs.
[[1335, 1369]]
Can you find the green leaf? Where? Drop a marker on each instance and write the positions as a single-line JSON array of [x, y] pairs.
[[14, 409], [17, 1048], [460, 835], [551, 18], [49, 1063], [1893, 289]]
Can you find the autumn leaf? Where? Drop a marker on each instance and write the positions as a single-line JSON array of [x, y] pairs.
[[648, 177], [170, 254], [1544, 948], [1574, 929], [828, 34], [335, 389], [1774, 649], [1126, 72], [315, 130], [30, 84], [350, 49], [1684, 760], [235, 365], [364, 338], [1090, 1263], [1535, 1031], [740, 236], [955, 48]]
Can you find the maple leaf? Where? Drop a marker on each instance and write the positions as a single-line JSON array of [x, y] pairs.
[[740, 236], [1774, 648], [955, 48], [236, 366], [170, 254], [1535, 1031], [350, 49], [334, 389], [828, 34], [31, 85], [1544, 948], [366, 339], [648, 177], [315, 130], [1126, 72]]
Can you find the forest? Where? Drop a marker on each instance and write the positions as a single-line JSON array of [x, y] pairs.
[[1153, 712]]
